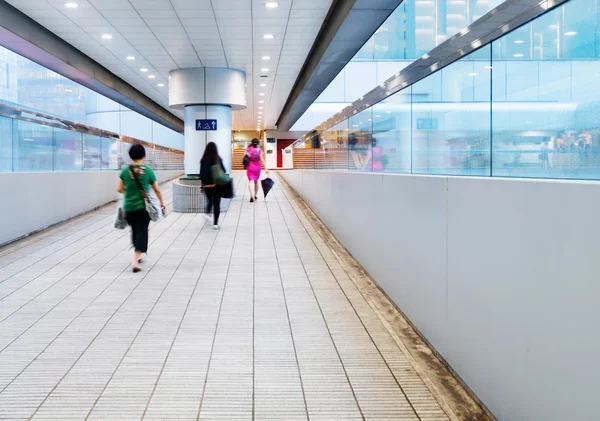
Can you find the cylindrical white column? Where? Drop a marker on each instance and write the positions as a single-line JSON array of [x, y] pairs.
[[196, 140], [207, 94]]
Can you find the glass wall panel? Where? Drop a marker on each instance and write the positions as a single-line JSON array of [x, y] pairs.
[[392, 131], [68, 153], [109, 154], [33, 147], [360, 140], [6, 147], [546, 89], [91, 152], [28, 85], [531, 99]]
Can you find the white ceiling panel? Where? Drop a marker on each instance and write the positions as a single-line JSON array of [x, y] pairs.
[[164, 35]]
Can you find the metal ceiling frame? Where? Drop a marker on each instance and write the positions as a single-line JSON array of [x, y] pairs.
[[26, 37], [346, 28]]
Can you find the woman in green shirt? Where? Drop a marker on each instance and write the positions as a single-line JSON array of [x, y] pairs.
[[134, 202]]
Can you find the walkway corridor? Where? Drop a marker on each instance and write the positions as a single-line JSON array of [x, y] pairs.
[[258, 321]]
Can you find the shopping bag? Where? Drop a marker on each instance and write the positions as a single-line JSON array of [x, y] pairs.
[[120, 221], [267, 185]]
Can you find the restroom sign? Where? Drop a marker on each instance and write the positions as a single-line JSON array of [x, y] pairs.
[[206, 125]]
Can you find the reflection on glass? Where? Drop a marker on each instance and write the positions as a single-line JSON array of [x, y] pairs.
[[531, 100], [91, 152], [33, 147], [545, 106], [392, 129], [5, 144], [360, 139], [68, 155], [28, 85], [418, 26], [451, 118]]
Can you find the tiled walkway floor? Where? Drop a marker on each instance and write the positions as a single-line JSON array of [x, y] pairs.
[[258, 321]]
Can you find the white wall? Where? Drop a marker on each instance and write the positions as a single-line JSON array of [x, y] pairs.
[[34, 201], [501, 276], [288, 158], [271, 158]]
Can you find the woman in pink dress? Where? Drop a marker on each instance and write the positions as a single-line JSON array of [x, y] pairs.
[[254, 167]]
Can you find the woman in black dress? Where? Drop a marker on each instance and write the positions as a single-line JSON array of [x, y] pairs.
[[211, 190]]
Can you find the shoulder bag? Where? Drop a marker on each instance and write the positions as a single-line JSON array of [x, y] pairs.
[[152, 208], [220, 178]]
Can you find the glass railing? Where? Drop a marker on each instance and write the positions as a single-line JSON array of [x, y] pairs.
[[526, 105], [32, 142]]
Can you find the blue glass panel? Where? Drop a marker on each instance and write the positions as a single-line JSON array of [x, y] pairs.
[[6, 146], [545, 104], [68, 154], [392, 130], [451, 119], [33, 147], [360, 138], [91, 152]]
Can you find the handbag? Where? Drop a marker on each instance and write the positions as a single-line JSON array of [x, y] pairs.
[[227, 190], [120, 221], [246, 161], [152, 207], [220, 178]]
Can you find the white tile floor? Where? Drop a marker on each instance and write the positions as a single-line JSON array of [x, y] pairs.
[[258, 321]]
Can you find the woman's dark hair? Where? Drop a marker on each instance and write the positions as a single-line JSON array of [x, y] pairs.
[[137, 152], [211, 154], [255, 142]]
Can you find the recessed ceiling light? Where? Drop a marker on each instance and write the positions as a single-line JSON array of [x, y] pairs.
[[519, 41], [570, 33], [260, 112], [262, 94], [370, 119], [472, 74], [377, 116], [261, 102], [518, 55], [264, 69], [106, 36], [160, 85], [262, 85], [260, 108], [130, 58], [71, 5], [271, 4], [389, 112], [488, 67], [268, 36], [143, 69], [151, 76], [266, 58]]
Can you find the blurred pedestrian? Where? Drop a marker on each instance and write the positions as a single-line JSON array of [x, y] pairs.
[[134, 202], [375, 158], [211, 189]]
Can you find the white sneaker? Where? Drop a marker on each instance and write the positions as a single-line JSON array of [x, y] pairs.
[[208, 217], [216, 227]]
